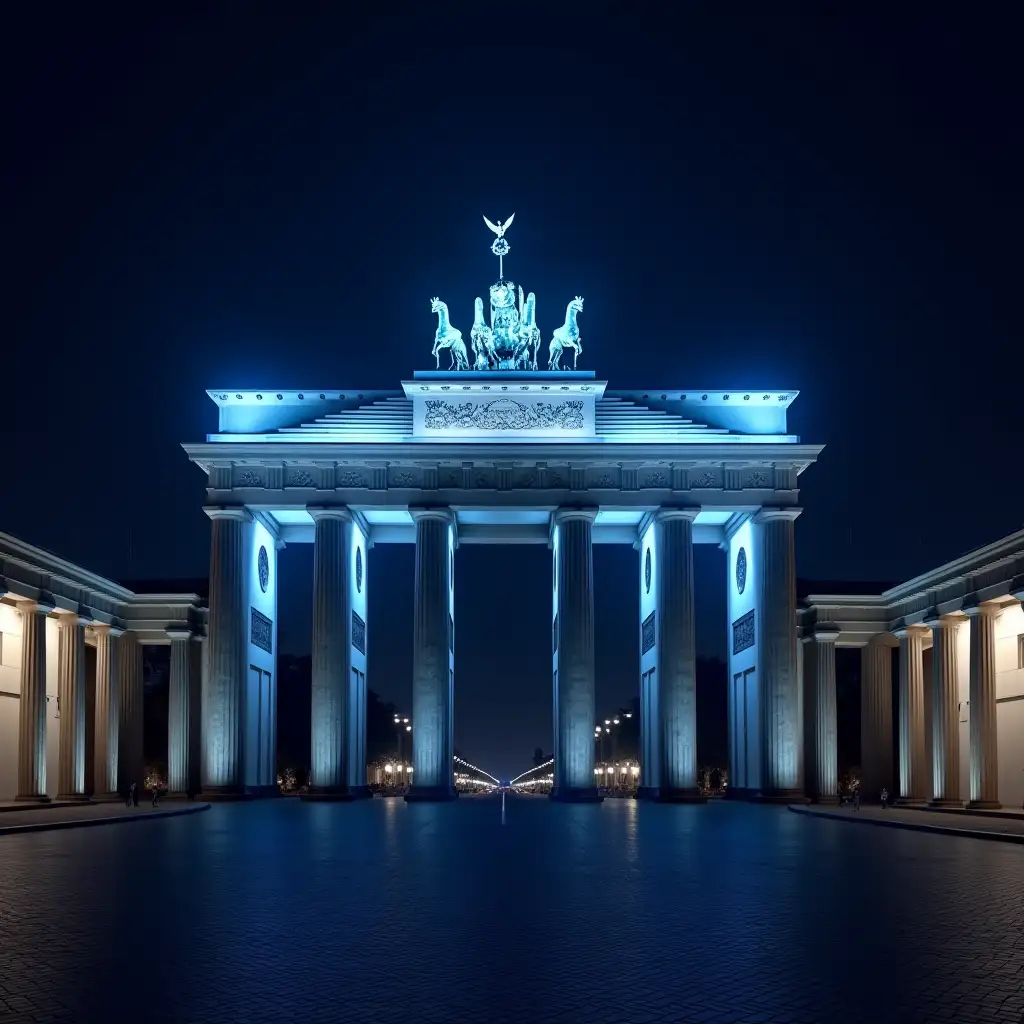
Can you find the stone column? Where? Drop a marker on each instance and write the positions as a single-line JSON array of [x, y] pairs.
[[876, 718], [71, 698], [331, 613], [677, 652], [982, 707], [945, 718], [32, 705], [574, 674], [821, 749], [224, 692], [181, 773], [780, 696], [913, 767], [130, 766], [433, 642], [108, 713]]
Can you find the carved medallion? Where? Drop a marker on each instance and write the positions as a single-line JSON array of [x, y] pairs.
[[647, 570], [263, 566], [359, 570], [741, 571]]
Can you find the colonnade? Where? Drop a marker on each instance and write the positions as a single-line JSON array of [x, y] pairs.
[[927, 769], [667, 667], [104, 720]]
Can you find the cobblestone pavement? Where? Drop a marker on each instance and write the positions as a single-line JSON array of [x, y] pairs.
[[65, 815], [1007, 825], [393, 912]]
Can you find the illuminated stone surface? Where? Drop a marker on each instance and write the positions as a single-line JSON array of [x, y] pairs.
[[108, 714], [71, 698], [639, 913], [574, 693], [32, 704], [821, 751], [433, 658], [913, 758]]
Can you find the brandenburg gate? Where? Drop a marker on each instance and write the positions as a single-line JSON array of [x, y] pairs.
[[505, 446]]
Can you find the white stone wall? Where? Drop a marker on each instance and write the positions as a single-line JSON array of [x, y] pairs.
[[650, 764], [10, 683], [10, 687], [744, 720], [261, 683], [358, 581], [1010, 711]]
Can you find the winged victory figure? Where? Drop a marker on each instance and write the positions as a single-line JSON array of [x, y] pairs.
[[499, 229]]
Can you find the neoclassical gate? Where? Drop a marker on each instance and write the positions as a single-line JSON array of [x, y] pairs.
[[506, 454]]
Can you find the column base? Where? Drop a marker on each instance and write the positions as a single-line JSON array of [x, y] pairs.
[[826, 799], [952, 804], [107, 798], [574, 795], [361, 792], [262, 792], [40, 798], [74, 798], [981, 805], [909, 801], [329, 794], [780, 796], [431, 794], [223, 794]]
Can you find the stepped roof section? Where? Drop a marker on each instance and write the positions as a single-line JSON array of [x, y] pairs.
[[653, 416]]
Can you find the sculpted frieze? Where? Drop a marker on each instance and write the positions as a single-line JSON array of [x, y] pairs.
[[504, 414]]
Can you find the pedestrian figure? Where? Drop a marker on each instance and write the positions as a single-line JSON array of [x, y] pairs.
[[128, 797], [135, 795], [885, 798], [856, 799], [156, 795]]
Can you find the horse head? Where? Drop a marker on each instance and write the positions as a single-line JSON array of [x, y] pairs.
[[436, 305], [577, 304]]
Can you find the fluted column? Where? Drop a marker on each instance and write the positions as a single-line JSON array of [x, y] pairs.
[[780, 695], [108, 714], [71, 698], [32, 705], [677, 653], [574, 659], [223, 695], [982, 707], [433, 643], [945, 718], [913, 763], [331, 613], [820, 746], [130, 693], [180, 713], [876, 718]]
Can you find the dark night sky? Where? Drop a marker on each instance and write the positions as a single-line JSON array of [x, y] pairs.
[[221, 196]]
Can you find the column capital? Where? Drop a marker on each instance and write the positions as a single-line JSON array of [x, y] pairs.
[[883, 640], [243, 515], [105, 629], [949, 621], [666, 513], [767, 515], [27, 606], [987, 608], [442, 512], [69, 618], [826, 632], [179, 634], [561, 515], [917, 629], [330, 512]]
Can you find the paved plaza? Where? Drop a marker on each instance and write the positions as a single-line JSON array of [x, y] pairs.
[[386, 911]]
